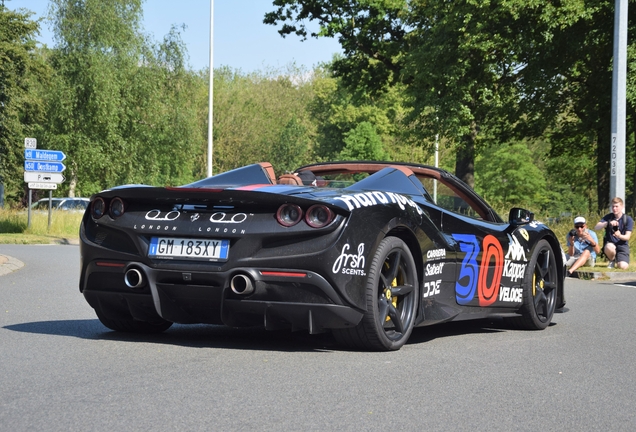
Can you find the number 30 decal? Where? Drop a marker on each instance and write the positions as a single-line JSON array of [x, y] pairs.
[[473, 277]]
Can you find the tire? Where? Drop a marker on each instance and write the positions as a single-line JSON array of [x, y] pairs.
[[134, 326], [391, 296], [540, 290]]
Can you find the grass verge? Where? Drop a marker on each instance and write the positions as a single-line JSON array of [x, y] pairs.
[[15, 229]]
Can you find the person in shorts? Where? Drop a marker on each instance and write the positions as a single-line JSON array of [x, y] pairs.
[[582, 246], [618, 230]]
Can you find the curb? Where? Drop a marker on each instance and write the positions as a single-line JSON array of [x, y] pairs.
[[9, 264], [607, 276]]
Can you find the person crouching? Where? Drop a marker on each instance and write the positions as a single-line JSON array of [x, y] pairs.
[[582, 246]]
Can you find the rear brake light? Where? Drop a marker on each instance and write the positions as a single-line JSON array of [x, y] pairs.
[[289, 215], [98, 208], [319, 216], [116, 208]]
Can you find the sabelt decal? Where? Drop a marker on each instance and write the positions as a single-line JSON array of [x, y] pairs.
[[434, 269], [350, 264], [484, 280], [367, 199]]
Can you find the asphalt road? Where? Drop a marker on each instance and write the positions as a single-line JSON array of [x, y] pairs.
[[62, 370]]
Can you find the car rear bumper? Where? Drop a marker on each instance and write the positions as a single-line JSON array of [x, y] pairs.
[[273, 298]]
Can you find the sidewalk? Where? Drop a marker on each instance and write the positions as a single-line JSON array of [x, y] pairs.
[[9, 264]]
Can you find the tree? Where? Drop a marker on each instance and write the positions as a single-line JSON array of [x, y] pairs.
[[122, 108], [474, 70], [20, 105], [363, 143], [507, 177], [262, 116]]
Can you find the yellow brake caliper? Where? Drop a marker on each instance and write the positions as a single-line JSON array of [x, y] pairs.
[[388, 295]]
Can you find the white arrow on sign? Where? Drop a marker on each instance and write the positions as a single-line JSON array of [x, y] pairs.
[[49, 186], [42, 177]]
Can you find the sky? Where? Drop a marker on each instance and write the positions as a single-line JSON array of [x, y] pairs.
[[241, 40]]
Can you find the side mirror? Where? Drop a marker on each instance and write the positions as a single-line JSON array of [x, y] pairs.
[[519, 216]]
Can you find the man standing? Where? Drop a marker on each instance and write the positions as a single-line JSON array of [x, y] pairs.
[[618, 230], [582, 246]]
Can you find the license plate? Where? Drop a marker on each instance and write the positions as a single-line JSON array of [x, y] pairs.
[[171, 247]]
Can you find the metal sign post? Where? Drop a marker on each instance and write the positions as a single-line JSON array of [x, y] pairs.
[[42, 170]]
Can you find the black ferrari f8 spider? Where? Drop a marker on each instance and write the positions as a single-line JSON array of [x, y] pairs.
[[366, 250]]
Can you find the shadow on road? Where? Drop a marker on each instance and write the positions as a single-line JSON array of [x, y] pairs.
[[216, 336]]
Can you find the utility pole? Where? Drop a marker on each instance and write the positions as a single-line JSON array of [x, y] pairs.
[[619, 85], [211, 92]]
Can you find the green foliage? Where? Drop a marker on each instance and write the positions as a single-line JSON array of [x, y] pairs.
[[122, 109], [259, 116], [20, 105], [507, 176], [363, 143]]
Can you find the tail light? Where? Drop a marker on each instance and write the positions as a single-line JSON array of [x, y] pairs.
[[98, 208], [319, 216], [116, 208], [289, 215]]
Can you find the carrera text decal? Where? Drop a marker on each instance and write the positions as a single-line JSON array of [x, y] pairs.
[[435, 254]]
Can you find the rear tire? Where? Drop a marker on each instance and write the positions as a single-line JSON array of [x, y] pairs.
[[392, 293], [540, 290], [134, 326]]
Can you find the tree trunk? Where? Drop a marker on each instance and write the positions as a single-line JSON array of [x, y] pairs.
[[465, 158]]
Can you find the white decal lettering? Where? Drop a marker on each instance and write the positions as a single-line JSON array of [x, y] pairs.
[[512, 295], [350, 263], [434, 269], [436, 253], [513, 270], [431, 287]]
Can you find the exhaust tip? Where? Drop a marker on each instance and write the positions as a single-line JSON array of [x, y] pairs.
[[134, 278], [242, 285]]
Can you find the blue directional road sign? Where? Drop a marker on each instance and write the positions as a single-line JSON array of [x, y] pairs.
[[55, 167], [44, 155]]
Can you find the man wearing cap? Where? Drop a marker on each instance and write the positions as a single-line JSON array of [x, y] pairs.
[[582, 246]]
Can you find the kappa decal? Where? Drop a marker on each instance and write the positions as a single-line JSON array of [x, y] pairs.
[[515, 251], [350, 264], [514, 271], [367, 199]]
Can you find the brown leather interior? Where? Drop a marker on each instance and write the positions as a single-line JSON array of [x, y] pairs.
[[290, 179]]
